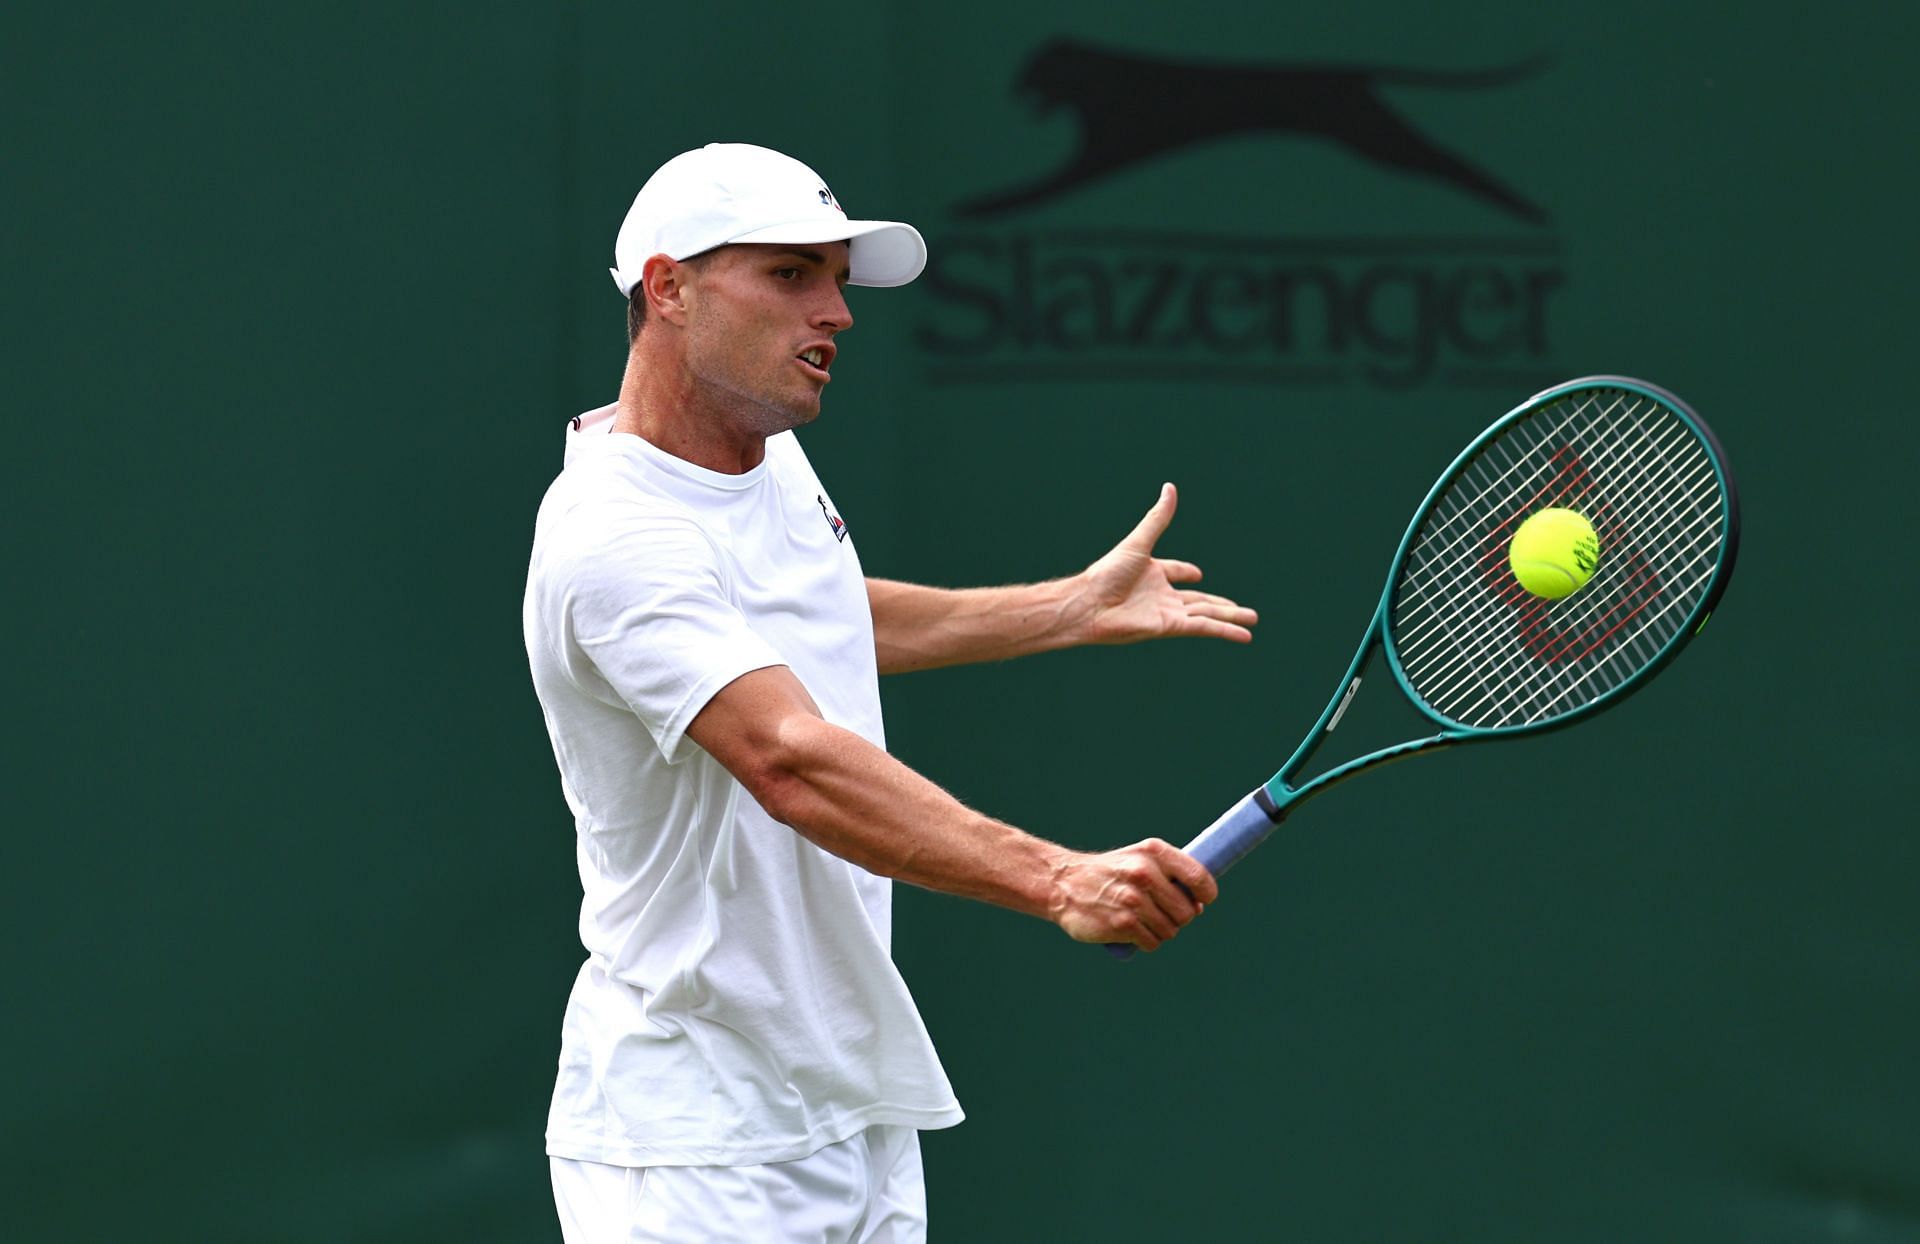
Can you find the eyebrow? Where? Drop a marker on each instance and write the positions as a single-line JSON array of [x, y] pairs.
[[813, 257]]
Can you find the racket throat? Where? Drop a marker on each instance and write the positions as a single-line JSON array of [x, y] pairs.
[[1340, 710]]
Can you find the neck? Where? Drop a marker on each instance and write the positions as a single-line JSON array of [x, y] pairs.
[[661, 404]]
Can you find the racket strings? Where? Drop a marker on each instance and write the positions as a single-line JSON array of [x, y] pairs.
[[1641, 593], [1480, 649], [1612, 529], [1641, 580], [1476, 663], [1480, 680], [1473, 644], [1504, 484]]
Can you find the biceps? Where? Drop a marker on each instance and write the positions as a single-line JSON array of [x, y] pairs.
[[755, 726]]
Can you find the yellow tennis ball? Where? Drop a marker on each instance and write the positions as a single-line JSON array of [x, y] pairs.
[[1554, 553]]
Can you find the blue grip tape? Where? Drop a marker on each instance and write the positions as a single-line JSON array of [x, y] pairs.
[[1239, 830], [1224, 843]]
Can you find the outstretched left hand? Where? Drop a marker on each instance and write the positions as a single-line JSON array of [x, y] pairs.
[[1134, 595]]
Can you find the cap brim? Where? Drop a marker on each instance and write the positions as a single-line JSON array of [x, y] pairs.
[[881, 253]]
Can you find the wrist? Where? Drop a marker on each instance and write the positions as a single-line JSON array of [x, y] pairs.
[[1057, 891], [1074, 608]]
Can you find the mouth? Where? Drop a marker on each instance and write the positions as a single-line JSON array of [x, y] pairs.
[[816, 360]]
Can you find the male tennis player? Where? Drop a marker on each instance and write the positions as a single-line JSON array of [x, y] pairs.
[[740, 1059]]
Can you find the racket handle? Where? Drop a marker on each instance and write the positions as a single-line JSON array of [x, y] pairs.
[[1224, 843], [1239, 830]]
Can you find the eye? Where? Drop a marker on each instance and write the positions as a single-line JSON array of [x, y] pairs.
[[787, 274]]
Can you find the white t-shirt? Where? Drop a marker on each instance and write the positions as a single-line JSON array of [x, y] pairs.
[[739, 1003]]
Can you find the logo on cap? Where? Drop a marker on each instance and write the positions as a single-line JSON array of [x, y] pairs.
[[826, 196]]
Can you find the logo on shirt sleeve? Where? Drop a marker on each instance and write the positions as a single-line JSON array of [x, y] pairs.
[[833, 520]]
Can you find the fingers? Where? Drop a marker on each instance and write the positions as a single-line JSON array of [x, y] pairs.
[[1217, 617], [1184, 885], [1172, 900], [1155, 928], [1179, 572], [1187, 572], [1145, 895], [1203, 605], [1149, 529], [1192, 597], [1208, 628], [1194, 876]]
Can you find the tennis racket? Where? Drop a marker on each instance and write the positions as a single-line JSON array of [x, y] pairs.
[[1478, 655]]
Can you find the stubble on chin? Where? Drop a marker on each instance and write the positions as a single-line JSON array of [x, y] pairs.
[[756, 410]]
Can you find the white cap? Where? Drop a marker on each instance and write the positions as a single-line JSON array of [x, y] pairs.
[[734, 192]]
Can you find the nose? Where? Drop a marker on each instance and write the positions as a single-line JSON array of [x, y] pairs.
[[833, 315]]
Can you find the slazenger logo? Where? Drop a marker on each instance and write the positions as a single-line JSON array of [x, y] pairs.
[[1133, 108], [1123, 301]]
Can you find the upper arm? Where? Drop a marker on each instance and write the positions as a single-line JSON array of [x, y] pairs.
[[756, 727], [646, 601]]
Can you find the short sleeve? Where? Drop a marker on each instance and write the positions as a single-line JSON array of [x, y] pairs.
[[649, 606]]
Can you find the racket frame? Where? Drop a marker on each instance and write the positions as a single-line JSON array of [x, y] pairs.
[[1247, 823]]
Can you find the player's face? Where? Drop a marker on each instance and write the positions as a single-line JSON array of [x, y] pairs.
[[761, 328]]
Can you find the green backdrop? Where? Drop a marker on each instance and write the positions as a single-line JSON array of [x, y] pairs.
[[298, 300]]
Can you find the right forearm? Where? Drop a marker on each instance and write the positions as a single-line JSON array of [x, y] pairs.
[[853, 799]]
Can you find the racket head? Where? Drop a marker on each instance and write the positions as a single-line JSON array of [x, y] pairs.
[[1480, 654]]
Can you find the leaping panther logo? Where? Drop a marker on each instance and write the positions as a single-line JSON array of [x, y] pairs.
[[1133, 108]]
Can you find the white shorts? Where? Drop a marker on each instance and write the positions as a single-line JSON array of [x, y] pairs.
[[868, 1189]]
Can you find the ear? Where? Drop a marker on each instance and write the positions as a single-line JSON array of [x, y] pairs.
[[664, 283]]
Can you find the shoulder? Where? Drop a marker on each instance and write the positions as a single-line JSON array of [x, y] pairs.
[[608, 483], [788, 461], [597, 514]]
